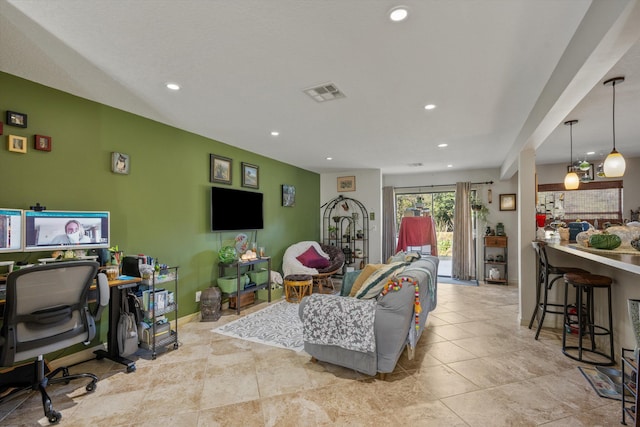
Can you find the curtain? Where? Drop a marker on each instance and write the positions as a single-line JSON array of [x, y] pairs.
[[463, 263], [388, 222]]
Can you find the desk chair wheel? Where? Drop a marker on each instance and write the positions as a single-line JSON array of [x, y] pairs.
[[54, 417], [131, 368], [91, 387]]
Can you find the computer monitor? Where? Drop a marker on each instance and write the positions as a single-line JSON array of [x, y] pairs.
[[62, 230], [11, 228]]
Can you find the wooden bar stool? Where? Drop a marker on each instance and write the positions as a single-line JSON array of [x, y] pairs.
[[584, 324], [544, 285], [297, 286]]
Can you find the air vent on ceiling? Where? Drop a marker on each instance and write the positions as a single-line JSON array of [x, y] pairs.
[[325, 92], [414, 165]]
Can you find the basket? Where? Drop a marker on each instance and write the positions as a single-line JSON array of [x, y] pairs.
[[259, 277], [228, 284], [276, 294]]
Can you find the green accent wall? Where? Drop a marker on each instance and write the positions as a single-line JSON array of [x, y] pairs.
[[162, 207]]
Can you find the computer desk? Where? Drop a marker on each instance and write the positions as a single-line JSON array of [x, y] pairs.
[[116, 289]]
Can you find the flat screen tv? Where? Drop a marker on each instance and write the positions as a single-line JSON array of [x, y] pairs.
[[11, 228], [233, 209], [51, 230]]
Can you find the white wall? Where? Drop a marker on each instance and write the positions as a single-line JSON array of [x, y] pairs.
[[368, 192]]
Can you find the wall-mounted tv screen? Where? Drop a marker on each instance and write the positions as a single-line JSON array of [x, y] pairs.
[[233, 209], [46, 230], [11, 222]]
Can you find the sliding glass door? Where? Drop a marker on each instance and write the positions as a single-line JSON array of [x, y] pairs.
[[440, 206]]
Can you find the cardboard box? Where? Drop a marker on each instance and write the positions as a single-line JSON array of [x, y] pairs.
[[245, 299]]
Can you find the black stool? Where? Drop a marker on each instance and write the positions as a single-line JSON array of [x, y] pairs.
[[585, 320], [544, 271]]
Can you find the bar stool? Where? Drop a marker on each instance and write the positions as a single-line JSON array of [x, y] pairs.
[[544, 271], [297, 286], [585, 323]]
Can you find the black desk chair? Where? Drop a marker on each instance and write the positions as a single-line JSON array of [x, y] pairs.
[[47, 310], [544, 284]]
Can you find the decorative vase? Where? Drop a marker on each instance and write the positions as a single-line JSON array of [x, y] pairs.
[[634, 316]]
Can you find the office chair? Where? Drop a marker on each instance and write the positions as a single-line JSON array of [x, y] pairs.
[[47, 310]]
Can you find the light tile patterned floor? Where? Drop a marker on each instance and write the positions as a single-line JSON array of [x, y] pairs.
[[475, 366]]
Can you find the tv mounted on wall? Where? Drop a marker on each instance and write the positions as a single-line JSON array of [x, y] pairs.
[[11, 228], [233, 209], [51, 230]]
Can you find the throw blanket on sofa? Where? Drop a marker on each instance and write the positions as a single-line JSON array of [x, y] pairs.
[[341, 321]]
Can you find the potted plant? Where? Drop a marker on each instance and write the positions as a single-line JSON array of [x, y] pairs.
[[333, 232], [479, 209]]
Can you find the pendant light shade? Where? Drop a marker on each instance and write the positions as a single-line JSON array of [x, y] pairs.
[[614, 164], [571, 181]]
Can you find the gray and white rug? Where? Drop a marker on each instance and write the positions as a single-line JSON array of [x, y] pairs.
[[277, 325]]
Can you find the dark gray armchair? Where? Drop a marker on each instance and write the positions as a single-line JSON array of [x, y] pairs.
[[47, 310]]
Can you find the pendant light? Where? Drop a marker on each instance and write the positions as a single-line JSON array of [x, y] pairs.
[[614, 164], [571, 181]]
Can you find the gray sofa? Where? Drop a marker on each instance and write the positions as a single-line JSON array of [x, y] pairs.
[[394, 323]]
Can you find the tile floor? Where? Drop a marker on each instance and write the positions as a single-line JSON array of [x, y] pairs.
[[475, 366]]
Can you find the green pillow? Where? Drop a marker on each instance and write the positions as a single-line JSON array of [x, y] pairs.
[[347, 282]]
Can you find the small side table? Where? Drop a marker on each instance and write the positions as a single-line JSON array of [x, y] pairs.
[[297, 286]]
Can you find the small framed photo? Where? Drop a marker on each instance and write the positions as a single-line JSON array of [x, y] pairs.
[[507, 202], [42, 142], [250, 176], [16, 119], [288, 195], [346, 183], [17, 144], [220, 169], [584, 175], [120, 163]]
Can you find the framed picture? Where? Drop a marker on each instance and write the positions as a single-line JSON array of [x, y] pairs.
[[507, 202], [42, 142], [17, 144], [346, 183], [120, 163], [220, 169], [16, 119], [584, 175], [0, 128], [288, 195], [250, 175]]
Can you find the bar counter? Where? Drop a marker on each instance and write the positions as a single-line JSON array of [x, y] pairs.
[[623, 268], [622, 261]]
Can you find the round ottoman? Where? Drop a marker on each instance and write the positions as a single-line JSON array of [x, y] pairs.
[[297, 286]]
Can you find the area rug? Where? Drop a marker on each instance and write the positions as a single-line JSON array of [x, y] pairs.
[[601, 386], [277, 325], [452, 281]]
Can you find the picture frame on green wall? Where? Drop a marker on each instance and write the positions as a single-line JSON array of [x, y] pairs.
[[288, 195], [42, 142], [17, 144], [250, 178], [220, 169], [16, 119], [120, 163]]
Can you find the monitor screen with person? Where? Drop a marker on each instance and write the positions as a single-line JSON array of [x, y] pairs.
[[11, 222], [46, 230]]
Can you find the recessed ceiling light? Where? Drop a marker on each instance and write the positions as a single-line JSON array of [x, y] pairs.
[[590, 153], [398, 13], [275, 133], [429, 106], [449, 166], [173, 86], [329, 158], [443, 145]]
